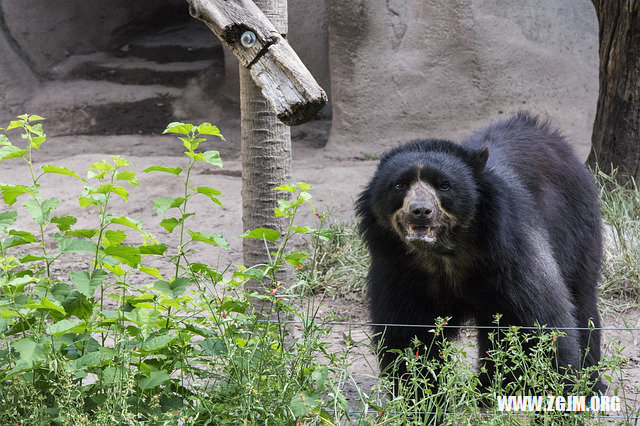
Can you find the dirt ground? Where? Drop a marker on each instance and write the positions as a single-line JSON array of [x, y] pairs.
[[336, 178]]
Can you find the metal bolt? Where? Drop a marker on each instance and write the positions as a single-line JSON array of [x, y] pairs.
[[248, 39]]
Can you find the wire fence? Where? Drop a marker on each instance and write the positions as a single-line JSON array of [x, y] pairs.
[[595, 416], [430, 326]]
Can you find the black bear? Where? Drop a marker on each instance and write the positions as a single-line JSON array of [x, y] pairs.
[[507, 222]]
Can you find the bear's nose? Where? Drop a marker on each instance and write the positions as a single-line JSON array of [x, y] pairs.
[[421, 211]]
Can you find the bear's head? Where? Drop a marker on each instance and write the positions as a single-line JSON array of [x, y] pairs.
[[425, 191]]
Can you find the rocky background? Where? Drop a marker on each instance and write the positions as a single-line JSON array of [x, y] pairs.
[[394, 69]]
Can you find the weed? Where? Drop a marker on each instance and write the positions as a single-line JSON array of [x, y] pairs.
[[338, 263], [621, 213]]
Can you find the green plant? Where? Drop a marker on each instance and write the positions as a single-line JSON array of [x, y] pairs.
[[338, 262], [445, 388], [186, 344], [621, 213]]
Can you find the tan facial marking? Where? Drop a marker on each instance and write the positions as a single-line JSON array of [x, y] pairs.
[[420, 189]]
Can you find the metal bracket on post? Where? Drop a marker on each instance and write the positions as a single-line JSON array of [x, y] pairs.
[[274, 66]]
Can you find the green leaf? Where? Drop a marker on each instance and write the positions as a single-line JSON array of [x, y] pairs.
[[304, 186], [64, 223], [101, 167], [14, 124], [60, 291], [8, 152], [37, 129], [113, 238], [154, 249], [295, 258], [87, 284], [174, 288], [75, 245], [17, 282], [155, 343], [35, 117], [6, 314], [18, 238], [126, 254], [202, 269], [87, 201], [128, 176], [162, 205], [45, 305], [61, 171], [209, 129], [206, 237], [180, 128], [61, 327], [37, 141], [304, 402], [115, 269], [93, 359], [150, 271], [209, 192], [128, 222], [262, 234], [119, 161], [84, 233], [142, 298], [31, 258], [7, 219], [77, 304], [213, 346], [170, 224], [286, 188], [40, 212], [213, 158], [257, 273], [191, 143], [30, 352], [156, 378], [10, 193], [114, 189], [173, 170]]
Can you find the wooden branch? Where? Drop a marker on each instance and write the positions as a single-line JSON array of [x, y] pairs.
[[274, 66]]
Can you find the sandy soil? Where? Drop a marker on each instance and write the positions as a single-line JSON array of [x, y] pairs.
[[337, 181]]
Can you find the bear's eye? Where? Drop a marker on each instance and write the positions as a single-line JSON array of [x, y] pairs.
[[444, 186], [400, 186]]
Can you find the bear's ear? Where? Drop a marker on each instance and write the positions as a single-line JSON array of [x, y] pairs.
[[385, 155], [480, 159]]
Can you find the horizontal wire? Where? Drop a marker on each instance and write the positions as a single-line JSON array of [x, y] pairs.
[[466, 326], [481, 327], [595, 416]]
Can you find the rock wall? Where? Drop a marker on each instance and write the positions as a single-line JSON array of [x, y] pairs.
[[408, 68], [394, 69], [47, 31], [16, 80]]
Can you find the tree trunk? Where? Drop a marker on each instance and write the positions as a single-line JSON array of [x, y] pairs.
[[266, 152], [616, 131]]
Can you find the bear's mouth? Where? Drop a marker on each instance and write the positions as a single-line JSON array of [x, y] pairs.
[[422, 233]]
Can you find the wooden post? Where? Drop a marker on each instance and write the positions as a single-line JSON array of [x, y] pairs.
[[266, 152], [275, 89], [273, 65]]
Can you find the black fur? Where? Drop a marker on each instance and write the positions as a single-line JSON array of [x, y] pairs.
[[525, 241]]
